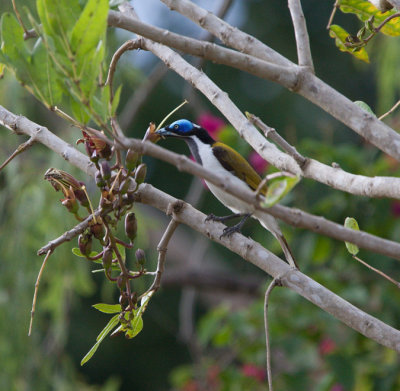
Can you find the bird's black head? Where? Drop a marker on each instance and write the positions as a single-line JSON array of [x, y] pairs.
[[185, 129]]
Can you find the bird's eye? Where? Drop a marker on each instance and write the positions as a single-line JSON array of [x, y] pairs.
[[176, 126]]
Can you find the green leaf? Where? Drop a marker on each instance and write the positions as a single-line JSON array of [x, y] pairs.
[[121, 250], [108, 308], [351, 223], [79, 111], [44, 75], [58, 18], [340, 35], [110, 325], [115, 101], [136, 325], [364, 10], [90, 28], [364, 106], [78, 253], [278, 189], [14, 51]]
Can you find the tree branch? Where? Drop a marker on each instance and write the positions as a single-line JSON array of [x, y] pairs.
[[309, 86], [271, 264], [301, 34], [246, 248]]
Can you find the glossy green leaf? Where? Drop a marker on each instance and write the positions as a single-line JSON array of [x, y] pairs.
[[136, 325], [278, 189], [364, 106], [108, 308], [110, 325], [340, 35], [364, 10], [351, 223]]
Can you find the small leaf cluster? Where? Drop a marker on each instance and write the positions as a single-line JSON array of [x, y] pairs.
[[64, 66], [374, 20]]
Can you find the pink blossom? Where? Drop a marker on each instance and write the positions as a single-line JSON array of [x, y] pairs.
[[326, 346], [251, 370], [395, 208], [259, 164], [337, 387], [211, 123]]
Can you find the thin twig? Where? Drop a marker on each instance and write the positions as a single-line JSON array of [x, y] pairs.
[[301, 34], [162, 252], [68, 235], [21, 148], [278, 139], [18, 15], [390, 111], [275, 282], [36, 290], [335, 7], [377, 271], [132, 44]]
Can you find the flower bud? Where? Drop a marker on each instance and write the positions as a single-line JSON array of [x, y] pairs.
[[140, 257], [140, 174], [105, 170], [81, 196], [131, 226], [107, 258], [85, 243], [132, 159], [126, 185], [71, 205], [99, 179], [121, 281], [150, 134], [97, 230]]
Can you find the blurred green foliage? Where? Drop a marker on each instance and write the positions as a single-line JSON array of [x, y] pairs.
[[310, 349]]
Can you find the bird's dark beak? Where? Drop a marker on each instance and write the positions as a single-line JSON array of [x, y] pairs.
[[164, 132]]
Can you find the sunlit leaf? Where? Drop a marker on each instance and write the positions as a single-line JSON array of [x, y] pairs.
[[351, 223], [108, 308], [115, 102], [110, 325], [278, 189], [364, 10], [340, 35]]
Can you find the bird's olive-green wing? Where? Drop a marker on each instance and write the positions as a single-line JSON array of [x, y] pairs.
[[236, 164]]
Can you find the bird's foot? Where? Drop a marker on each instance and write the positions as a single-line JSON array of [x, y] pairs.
[[228, 231], [212, 217]]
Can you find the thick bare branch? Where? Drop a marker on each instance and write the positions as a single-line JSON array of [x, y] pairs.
[[246, 248], [309, 86], [41, 134], [337, 178], [228, 34], [292, 216], [286, 76], [300, 31], [291, 278]]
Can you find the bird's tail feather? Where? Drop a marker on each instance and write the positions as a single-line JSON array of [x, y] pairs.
[[269, 222]]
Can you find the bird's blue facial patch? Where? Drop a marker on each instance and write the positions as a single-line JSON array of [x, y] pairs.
[[181, 126]]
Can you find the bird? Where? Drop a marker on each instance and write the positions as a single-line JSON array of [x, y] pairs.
[[221, 158]]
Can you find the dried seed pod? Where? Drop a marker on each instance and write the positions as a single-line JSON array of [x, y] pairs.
[[131, 226]]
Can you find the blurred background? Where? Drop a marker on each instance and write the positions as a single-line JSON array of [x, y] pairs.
[[204, 329]]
